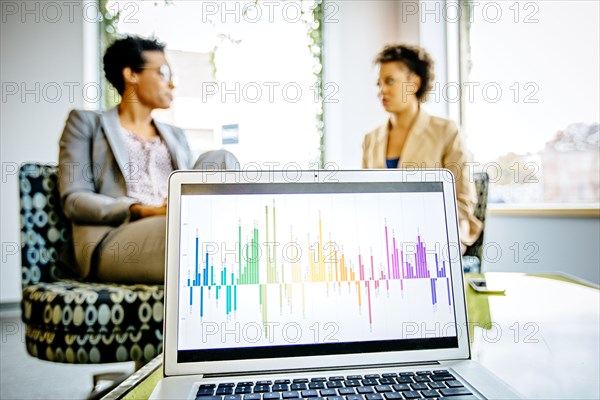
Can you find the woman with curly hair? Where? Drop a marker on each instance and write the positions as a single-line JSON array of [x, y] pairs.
[[412, 138]]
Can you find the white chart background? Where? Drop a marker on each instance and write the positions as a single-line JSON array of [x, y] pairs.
[[331, 312]]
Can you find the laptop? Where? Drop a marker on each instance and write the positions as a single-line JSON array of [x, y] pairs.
[[345, 285]]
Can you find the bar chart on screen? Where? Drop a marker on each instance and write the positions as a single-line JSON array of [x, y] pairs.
[[369, 263]]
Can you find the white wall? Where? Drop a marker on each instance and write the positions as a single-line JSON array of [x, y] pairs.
[[543, 244], [351, 42], [42, 70]]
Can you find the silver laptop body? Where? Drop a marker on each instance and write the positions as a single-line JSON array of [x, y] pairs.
[[300, 275]]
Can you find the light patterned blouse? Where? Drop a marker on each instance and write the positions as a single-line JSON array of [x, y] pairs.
[[149, 167]]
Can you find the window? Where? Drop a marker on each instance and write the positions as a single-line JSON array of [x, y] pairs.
[[247, 74], [530, 98]]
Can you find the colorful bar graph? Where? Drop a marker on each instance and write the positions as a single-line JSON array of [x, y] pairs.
[[327, 263]]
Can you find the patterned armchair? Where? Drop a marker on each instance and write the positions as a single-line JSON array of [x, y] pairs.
[[68, 320], [474, 254]]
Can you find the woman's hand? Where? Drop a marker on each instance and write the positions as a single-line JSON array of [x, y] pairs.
[[139, 211]]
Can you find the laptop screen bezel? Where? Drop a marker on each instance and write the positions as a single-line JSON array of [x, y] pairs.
[[170, 333]]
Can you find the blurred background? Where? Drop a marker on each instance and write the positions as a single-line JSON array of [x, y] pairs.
[[291, 84]]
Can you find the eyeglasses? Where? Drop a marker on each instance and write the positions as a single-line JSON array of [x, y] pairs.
[[164, 71]]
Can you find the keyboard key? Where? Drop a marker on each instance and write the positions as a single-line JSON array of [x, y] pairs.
[[280, 387], [418, 386], [430, 393], [439, 378], [390, 375], [354, 397], [208, 386], [372, 376], [374, 396], [440, 371], [404, 379], [365, 389], [268, 383], [209, 397], [229, 385], [282, 381], [262, 388], [337, 378], [291, 394], [411, 395], [336, 398], [245, 384], [424, 373], [383, 388], [300, 380], [455, 391], [271, 396], [407, 373], [354, 377], [298, 386], [243, 390], [334, 384], [309, 393], [422, 378], [437, 385], [205, 392], [318, 379], [316, 385], [347, 390], [401, 387], [369, 382], [454, 384], [224, 391], [252, 396], [393, 395], [328, 392], [232, 397], [387, 381], [352, 383]]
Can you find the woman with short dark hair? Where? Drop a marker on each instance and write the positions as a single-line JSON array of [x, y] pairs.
[[114, 167], [412, 138]]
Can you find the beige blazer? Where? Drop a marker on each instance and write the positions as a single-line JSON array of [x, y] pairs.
[[93, 163], [433, 142]]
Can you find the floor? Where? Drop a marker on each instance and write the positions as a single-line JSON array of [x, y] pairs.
[[25, 377]]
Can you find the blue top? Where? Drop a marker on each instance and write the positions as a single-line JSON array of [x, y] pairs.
[[392, 162]]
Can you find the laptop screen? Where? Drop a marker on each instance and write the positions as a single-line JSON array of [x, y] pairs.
[[283, 270]]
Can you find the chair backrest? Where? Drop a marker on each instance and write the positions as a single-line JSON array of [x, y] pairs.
[[44, 228], [482, 181]]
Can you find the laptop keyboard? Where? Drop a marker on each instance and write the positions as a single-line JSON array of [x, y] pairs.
[[389, 386]]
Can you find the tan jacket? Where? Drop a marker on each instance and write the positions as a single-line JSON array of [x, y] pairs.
[[433, 142]]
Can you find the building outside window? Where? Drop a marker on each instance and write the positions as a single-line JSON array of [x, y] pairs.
[[530, 98]]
